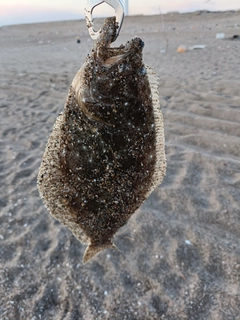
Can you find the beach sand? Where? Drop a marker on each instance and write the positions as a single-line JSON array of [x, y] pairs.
[[180, 252]]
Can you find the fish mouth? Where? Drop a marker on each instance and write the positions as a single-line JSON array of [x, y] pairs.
[[109, 56], [115, 59]]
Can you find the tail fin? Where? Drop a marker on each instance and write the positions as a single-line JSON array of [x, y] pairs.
[[93, 249]]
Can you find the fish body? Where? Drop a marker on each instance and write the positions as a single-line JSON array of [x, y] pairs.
[[106, 152]]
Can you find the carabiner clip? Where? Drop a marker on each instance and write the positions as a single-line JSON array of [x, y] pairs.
[[115, 4]]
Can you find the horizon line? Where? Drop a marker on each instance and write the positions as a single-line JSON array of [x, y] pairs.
[[82, 17]]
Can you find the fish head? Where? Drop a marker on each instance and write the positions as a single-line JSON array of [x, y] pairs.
[[109, 80]]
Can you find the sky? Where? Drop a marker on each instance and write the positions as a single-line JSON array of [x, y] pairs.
[[31, 11]]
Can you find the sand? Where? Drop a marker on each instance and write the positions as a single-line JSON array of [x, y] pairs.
[[180, 252]]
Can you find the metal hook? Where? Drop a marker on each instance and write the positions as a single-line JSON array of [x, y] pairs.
[[115, 4]]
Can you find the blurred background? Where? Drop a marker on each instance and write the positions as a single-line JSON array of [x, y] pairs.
[[28, 11]]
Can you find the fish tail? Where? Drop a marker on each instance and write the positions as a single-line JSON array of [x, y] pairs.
[[93, 249]]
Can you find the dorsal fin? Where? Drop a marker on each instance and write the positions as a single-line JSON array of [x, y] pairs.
[[160, 166]]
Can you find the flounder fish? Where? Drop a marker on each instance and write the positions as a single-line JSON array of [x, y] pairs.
[[106, 151]]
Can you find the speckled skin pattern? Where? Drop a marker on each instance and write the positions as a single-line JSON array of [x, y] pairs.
[[106, 152]]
